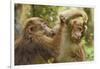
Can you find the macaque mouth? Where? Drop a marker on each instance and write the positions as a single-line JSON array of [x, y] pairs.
[[76, 36]]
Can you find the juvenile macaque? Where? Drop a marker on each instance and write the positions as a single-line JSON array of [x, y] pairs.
[[35, 46], [72, 48]]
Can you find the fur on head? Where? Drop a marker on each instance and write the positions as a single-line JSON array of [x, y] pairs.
[[36, 26], [76, 21]]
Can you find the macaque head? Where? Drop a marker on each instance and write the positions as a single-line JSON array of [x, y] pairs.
[[76, 21], [77, 28], [36, 26]]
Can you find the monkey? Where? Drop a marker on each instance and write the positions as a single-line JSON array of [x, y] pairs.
[[71, 48], [35, 46], [44, 47], [34, 28]]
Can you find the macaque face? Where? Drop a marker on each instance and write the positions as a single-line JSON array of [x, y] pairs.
[[38, 26], [77, 28]]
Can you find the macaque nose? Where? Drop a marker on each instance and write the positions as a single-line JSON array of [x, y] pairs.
[[78, 33]]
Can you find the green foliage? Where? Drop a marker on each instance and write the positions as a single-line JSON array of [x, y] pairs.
[[89, 49], [89, 53], [50, 13]]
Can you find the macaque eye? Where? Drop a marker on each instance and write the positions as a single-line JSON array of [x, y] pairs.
[[80, 28], [41, 20], [73, 23], [43, 25]]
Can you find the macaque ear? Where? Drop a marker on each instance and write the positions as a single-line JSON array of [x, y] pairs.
[[30, 29], [29, 26]]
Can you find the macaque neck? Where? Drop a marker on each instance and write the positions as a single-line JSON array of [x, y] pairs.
[[66, 47]]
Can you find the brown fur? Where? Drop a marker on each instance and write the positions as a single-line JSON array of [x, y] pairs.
[[35, 47], [72, 48]]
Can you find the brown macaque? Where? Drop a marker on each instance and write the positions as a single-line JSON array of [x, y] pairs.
[[35, 46], [71, 46]]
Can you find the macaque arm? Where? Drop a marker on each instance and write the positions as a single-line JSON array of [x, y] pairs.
[[80, 53]]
